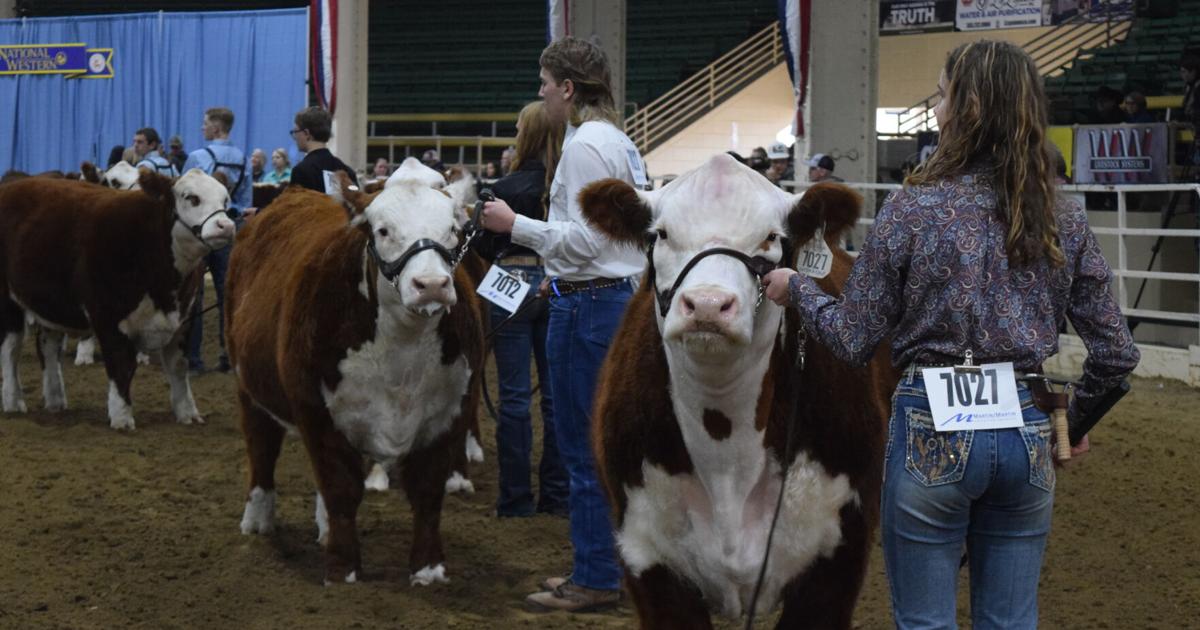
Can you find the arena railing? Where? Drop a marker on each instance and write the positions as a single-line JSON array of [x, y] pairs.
[[470, 148]]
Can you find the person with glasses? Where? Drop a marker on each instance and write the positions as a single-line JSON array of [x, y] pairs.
[[311, 132]]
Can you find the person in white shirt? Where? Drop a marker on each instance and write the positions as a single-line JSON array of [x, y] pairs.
[[591, 280]]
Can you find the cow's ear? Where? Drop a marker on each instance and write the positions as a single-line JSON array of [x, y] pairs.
[[219, 176], [355, 201], [88, 171], [155, 185], [616, 209], [827, 205]]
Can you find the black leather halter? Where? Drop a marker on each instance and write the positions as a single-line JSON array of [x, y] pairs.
[[758, 266], [391, 270], [198, 229]]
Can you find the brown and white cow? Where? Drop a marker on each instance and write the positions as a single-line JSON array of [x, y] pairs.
[[351, 326], [76, 257], [698, 397]]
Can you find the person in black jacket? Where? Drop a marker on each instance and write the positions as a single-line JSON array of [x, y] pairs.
[[313, 128], [538, 145]]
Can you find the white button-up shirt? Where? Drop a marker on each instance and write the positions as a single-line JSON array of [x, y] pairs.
[[572, 249]]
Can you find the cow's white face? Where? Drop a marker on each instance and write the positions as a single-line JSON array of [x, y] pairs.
[[201, 200], [727, 205], [121, 176], [402, 214]]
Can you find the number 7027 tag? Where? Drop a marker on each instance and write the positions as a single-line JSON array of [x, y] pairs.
[[503, 289], [981, 398]]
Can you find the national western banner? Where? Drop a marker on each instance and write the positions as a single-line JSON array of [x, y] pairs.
[[906, 17], [71, 60], [1121, 154], [979, 15]]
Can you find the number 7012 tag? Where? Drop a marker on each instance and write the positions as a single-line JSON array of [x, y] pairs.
[[982, 398], [503, 289]]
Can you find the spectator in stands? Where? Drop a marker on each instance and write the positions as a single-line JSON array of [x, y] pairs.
[[820, 169], [758, 160], [506, 160], [1135, 109], [312, 131], [1108, 107], [492, 170], [146, 145], [382, 169], [115, 155], [281, 171], [539, 141], [592, 279], [175, 153], [258, 165], [780, 168], [433, 160], [219, 156]]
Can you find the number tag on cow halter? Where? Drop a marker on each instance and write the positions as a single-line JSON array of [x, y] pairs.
[[982, 398], [503, 289], [815, 258]]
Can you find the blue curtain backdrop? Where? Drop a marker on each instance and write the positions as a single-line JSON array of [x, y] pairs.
[[168, 68]]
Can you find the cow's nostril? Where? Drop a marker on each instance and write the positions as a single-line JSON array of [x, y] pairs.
[[420, 285], [727, 305], [688, 305]]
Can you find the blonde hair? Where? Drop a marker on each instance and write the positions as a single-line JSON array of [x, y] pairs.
[[281, 152], [585, 65], [996, 121], [538, 138]]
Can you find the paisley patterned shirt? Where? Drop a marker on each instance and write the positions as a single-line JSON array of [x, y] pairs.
[[934, 275]]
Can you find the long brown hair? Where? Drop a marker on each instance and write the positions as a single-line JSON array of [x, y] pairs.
[[586, 65], [996, 121], [538, 139]]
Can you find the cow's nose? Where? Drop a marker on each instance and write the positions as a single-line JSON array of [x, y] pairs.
[[224, 226], [709, 305], [433, 287]]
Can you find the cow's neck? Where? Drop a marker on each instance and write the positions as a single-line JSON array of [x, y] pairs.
[[186, 250], [716, 404]]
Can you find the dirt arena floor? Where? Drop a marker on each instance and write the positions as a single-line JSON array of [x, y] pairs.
[[100, 529]]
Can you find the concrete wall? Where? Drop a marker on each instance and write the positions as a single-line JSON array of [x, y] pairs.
[[757, 113], [843, 86]]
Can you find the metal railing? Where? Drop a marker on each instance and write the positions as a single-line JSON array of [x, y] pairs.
[[703, 91], [1053, 51]]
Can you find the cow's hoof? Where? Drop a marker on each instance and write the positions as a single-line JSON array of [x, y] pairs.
[[124, 423], [17, 407], [474, 450], [377, 480], [458, 483], [190, 418], [429, 575], [84, 360], [349, 579], [259, 516], [143, 359], [56, 405]]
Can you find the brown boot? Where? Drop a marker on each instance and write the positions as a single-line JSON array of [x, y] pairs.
[[551, 583], [570, 597]]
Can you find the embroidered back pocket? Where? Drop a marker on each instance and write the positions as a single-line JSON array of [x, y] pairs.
[[1041, 462], [934, 458]]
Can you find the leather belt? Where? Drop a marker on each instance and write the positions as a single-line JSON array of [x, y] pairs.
[[561, 287], [521, 261]]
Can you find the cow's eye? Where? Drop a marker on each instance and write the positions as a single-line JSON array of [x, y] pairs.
[[194, 199], [382, 232], [772, 237], [662, 234]]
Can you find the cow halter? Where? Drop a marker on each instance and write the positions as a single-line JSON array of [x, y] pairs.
[[198, 229], [758, 266], [391, 270]]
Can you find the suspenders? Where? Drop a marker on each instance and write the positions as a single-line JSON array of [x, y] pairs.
[[163, 168], [241, 169]]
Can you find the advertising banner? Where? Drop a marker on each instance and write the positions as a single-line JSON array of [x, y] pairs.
[[1094, 10], [981, 15], [1121, 154], [906, 17], [72, 60]]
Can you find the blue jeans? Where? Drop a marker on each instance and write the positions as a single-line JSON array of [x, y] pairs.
[[581, 327], [512, 343], [991, 491], [218, 264]]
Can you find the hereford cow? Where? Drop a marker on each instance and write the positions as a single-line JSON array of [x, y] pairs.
[[351, 326], [75, 257], [701, 391]]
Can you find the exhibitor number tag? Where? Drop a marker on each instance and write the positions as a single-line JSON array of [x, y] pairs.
[[972, 400], [815, 258], [503, 289]]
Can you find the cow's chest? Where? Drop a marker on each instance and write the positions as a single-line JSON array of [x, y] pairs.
[[712, 529], [149, 327], [397, 395]]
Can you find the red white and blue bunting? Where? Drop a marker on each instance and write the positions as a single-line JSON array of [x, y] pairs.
[[794, 17], [322, 23], [558, 19]]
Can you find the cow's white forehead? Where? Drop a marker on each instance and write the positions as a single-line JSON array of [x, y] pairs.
[[412, 169], [123, 174], [722, 200], [197, 182], [411, 207]]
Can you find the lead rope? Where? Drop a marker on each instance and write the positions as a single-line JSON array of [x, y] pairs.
[[801, 342]]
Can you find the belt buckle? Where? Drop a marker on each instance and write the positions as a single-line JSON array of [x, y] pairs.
[[519, 274]]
